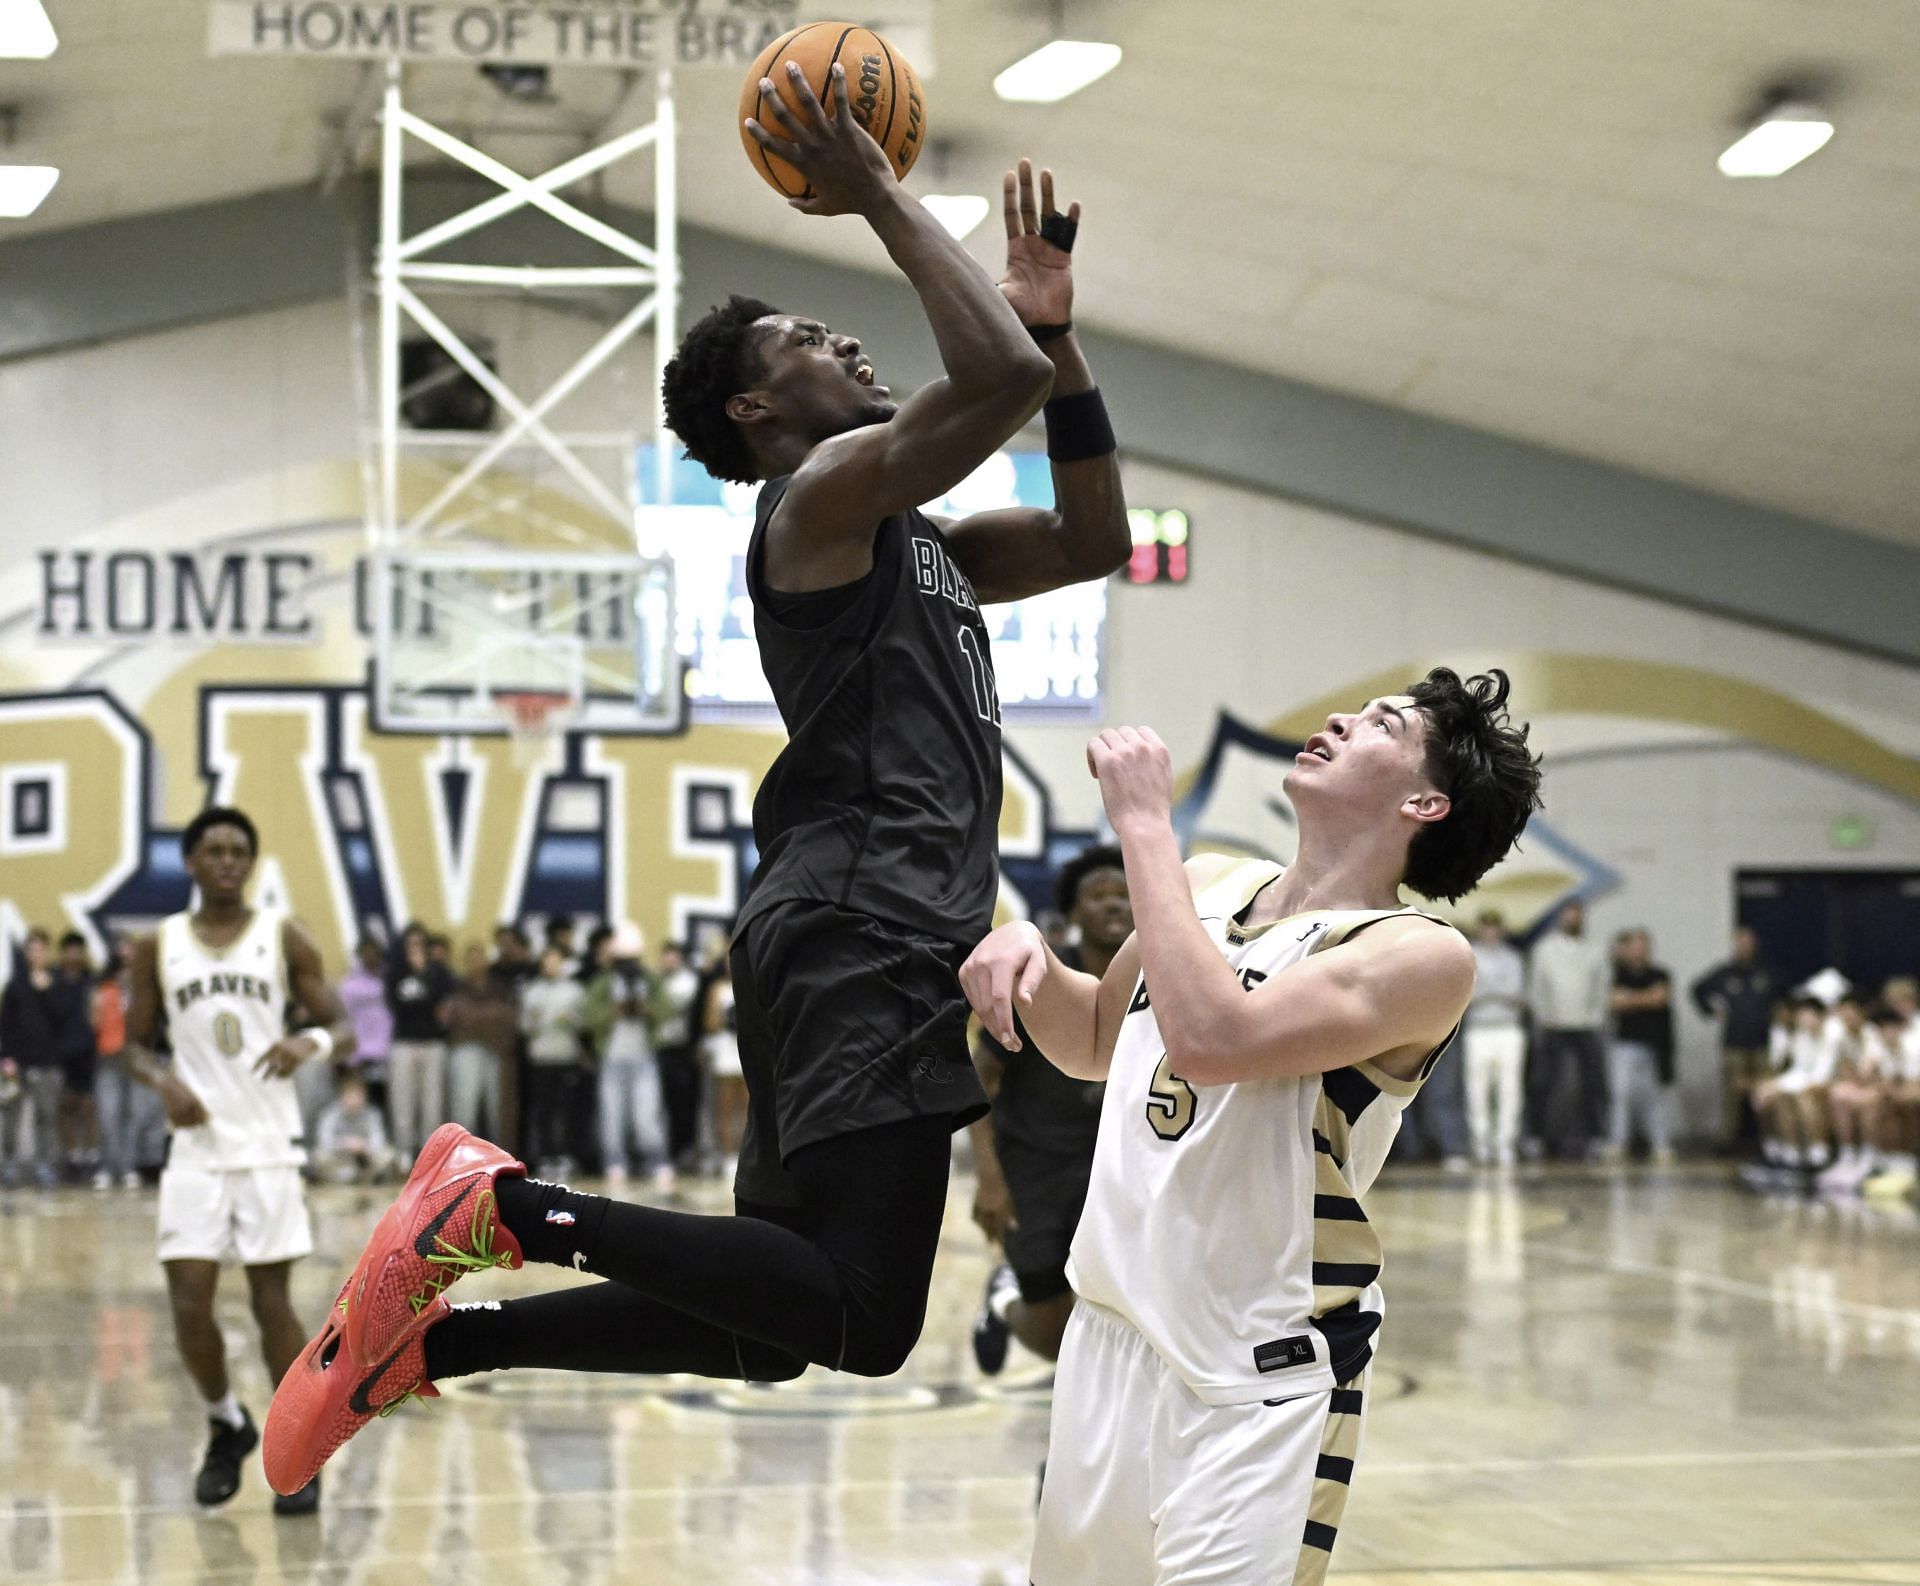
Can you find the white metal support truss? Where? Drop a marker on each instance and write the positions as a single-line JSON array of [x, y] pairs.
[[401, 262], [431, 571]]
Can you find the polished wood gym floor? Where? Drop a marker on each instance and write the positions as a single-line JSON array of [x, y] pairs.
[[1623, 1377]]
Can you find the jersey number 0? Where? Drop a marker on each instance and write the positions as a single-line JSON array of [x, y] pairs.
[[1170, 1103]]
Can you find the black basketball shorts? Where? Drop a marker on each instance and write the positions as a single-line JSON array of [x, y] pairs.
[[845, 1022], [1049, 1191]]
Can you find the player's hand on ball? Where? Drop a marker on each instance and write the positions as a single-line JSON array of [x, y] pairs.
[[284, 1056], [847, 172], [1135, 773], [183, 1108], [1039, 279], [1004, 969]]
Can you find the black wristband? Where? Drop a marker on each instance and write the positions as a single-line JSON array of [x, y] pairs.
[[1050, 332], [1078, 428]]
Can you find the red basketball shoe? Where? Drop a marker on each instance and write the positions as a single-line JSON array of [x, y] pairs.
[[444, 1225], [325, 1398]]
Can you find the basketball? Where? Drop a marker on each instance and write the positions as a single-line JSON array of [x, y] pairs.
[[882, 87]]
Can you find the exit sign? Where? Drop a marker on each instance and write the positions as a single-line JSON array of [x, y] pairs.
[[1162, 544]]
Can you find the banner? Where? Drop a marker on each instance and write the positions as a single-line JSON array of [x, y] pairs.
[[640, 34]]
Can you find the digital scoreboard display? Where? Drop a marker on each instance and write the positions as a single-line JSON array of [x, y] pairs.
[[1047, 651]]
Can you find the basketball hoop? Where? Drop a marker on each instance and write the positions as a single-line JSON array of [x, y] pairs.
[[534, 717]]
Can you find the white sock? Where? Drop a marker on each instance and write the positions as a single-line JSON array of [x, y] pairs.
[[228, 1410], [1002, 1299]]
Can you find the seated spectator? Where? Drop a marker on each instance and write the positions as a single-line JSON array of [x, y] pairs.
[[551, 1006], [351, 1145], [1898, 1024], [1856, 1100], [1792, 1103], [483, 1024]]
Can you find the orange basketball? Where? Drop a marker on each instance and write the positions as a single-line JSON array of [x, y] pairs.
[[883, 89]]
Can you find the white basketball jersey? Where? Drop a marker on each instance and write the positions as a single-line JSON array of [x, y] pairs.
[[1224, 1221], [225, 1007]]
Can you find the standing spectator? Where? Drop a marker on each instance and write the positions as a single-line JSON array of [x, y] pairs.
[[28, 1035], [670, 1012], [1640, 1053], [720, 1050], [550, 1016], [512, 957], [630, 1106], [363, 992], [483, 1024], [417, 992], [351, 1139], [1569, 985], [560, 935], [119, 1099], [72, 997], [440, 951], [16, 1123], [1740, 994], [1496, 1043]]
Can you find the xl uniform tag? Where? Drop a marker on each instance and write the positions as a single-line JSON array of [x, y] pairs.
[[1282, 1353]]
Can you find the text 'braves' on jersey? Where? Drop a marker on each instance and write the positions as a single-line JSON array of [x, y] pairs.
[[225, 1007], [1224, 1221]]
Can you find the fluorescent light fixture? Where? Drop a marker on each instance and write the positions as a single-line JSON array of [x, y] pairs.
[[1055, 70], [26, 32], [23, 188], [1787, 135], [958, 212]]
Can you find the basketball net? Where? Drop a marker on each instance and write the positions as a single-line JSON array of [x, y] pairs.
[[534, 717]]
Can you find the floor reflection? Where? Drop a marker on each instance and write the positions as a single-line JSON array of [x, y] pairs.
[[1616, 1375]]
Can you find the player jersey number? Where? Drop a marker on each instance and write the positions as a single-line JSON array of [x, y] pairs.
[[986, 687], [226, 1034], [1170, 1103]]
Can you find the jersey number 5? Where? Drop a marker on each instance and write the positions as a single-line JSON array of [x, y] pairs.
[[1170, 1103]]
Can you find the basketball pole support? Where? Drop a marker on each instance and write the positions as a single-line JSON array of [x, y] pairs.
[[402, 270]]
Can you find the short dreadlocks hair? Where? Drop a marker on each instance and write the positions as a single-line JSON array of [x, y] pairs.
[[717, 360], [1480, 760]]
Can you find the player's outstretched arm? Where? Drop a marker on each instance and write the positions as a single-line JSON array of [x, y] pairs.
[[1020, 551], [995, 380], [1401, 985], [331, 1032], [184, 1109], [1072, 1018]]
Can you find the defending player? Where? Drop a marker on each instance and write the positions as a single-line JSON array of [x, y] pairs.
[[223, 975], [1259, 1037], [1033, 1153], [877, 830]]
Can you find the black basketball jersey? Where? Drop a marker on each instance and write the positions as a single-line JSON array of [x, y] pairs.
[[886, 799]]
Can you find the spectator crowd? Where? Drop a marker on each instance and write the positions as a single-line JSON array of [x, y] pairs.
[[596, 1057], [591, 1058], [1568, 1052]]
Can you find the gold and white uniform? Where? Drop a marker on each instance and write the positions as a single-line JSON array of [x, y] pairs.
[[1208, 1405]]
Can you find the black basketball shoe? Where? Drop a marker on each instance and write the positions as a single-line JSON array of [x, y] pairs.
[[990, 1334], [305, 1501], [219, 1477]]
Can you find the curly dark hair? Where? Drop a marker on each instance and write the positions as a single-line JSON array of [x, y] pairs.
[[217, 815], [1069, 878], [716, 361], [1480, 760]]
